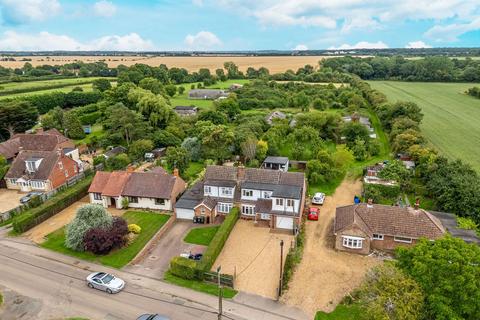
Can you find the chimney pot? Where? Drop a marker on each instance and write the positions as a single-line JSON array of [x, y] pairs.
[[370, 203], [417, 204], [175, 172]]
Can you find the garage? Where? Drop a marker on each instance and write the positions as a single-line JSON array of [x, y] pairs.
[[284, 223], [183, 213]]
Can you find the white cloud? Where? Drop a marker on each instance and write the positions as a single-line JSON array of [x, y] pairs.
[[203, 40], [45, 41], [300, 47], [451, 32], [417, 45], [361, 45], [197, 3], [104, 9], [23, 11]]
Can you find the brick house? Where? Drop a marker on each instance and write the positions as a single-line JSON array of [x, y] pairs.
[[269, 197], [40, 170], [361, 228], [156, 189]]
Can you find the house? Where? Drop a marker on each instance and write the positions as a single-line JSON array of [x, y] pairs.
[[235, 86], [361, 228], [115, 152], [275, 115], [275, 163], [362, 120], [269, 197], [372, 175], [207, 94], [186, 110], [41, 170], [50, 140], [156, 189]]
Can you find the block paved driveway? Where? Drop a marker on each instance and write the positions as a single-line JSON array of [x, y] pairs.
[[171, 244]]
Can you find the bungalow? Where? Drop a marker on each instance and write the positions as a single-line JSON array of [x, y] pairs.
[[372, 175], [186, 110], [361, 228], [115, 152], [269, 197], [41, 171], [362, 120], [275, 163], [207, 94], [154, 189], [275, 115], [235, 86]]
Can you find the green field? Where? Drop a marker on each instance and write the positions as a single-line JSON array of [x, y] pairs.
[[451, 118]]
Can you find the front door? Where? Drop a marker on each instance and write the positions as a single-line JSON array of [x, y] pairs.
[[113, 202]]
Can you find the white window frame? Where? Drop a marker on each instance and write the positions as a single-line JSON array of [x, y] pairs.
[[247, 193], [248, 210], [60, 165], [352, 242], [290, 203], [226, 191], [207, 190], [97, 196], [377, 236], [402, 239], [266, 216], [132, 199], [224, 207], [31, 166], [37, 184], [266, 194], [13, 181], [160, 201], [279, 202]]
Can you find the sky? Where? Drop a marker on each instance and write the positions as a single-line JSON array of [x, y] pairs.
[[228, 25]]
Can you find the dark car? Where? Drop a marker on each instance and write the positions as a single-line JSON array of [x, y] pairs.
[[152, 317], [197, 256], [29, 196]]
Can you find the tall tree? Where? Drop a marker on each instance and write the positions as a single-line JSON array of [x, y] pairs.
[[16, 116], [126, 122]]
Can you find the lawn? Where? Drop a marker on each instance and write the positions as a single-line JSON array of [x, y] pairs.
[[194, 168], [148, 221], [205, 287], [341, 312], [450, 116], [201, 236], [97, 131]]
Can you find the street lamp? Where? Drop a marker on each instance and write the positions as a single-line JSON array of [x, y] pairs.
[[219, 293], [281, 270]]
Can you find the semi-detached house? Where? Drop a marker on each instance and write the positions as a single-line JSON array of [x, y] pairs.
[[273, 197]]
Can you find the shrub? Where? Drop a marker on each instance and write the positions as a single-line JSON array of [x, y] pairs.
[[294, 257], [134, 228], [90, 216], [102, 241], [382, 194], [218, 241], [184, 268]]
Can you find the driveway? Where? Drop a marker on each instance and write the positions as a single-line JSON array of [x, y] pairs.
[[170, 245], [9, 199], [38, 233], [325, 276], [253, 254]]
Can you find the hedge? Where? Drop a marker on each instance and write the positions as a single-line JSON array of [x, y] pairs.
[[52, 206], [382, 194], [41, 88], [294, 256], [185, 268], [218, 241]]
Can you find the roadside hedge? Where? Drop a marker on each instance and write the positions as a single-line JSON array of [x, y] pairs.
[[294, 256], [218, 241], [52, 206], [185, 268]]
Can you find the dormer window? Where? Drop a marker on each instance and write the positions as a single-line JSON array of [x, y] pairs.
[[207, 190], [32, 164]]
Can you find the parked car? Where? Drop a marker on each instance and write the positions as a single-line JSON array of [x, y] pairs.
[[29, 196], [187, 255], [152, 317], [313, 214], [105, 281], [318, 198]]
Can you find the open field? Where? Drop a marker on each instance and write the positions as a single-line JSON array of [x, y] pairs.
[[274, 64], [450, 117]]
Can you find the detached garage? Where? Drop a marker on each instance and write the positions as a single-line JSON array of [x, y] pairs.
[[284, 222], [184, 208]]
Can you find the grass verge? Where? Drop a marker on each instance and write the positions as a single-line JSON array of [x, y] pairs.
[[341, 312], [201, 286], [148, 221], [201, 236]]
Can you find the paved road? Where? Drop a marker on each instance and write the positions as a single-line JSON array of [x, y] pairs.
[[56, 282]]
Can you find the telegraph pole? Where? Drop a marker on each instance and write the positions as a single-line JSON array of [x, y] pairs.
[[219, 293], [280, 282]]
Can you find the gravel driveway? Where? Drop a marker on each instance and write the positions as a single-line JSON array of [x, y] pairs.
[[9, 199], [325, 276]]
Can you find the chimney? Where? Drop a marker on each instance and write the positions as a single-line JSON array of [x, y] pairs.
[[370, 203], [59, 151], [175, 172], [39, 131], [417, 204], [241, 172]]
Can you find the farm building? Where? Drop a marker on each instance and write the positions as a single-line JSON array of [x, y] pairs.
[[275, 115], [207, 94], [186, 110]]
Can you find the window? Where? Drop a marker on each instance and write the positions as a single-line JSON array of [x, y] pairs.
[[31, 166], [133, 199], [66, 173], [352, 242], [226, 191], [13, 181], [247, 193], [60, 165], [224, 207], [279, 202], [267, 194], [97, 196], [377, 236], [265, 216], [37, 184], [290, 202], [402, 239], [160, 202], [207, 190], [75, 169], [202, 210], [248, 210]]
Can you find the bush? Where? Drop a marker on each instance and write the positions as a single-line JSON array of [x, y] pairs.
[[382, 194], [90, 216], [294, 257], [52, 206], [102, 241], [218, 241], [134, 228], [184, 268]]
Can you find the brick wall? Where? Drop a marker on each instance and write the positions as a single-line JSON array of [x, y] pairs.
[[57, 176], [355, 232], [388, 244]]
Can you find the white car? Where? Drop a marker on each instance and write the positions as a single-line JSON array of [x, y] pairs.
[[318, 198], [105, 281]]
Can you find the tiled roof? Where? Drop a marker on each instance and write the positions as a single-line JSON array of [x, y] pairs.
[[19, 169], [191, 197], [263, 206], [99, 182], [115, 184], [389, 220], [209, 202]]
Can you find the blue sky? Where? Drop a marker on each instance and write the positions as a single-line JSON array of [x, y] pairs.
[[237, 24]]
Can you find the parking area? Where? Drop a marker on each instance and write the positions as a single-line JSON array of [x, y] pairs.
[[38, 233], [253, 255], [9, 199]]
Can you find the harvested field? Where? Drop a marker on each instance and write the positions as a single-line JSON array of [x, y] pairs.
[[274, 63]]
